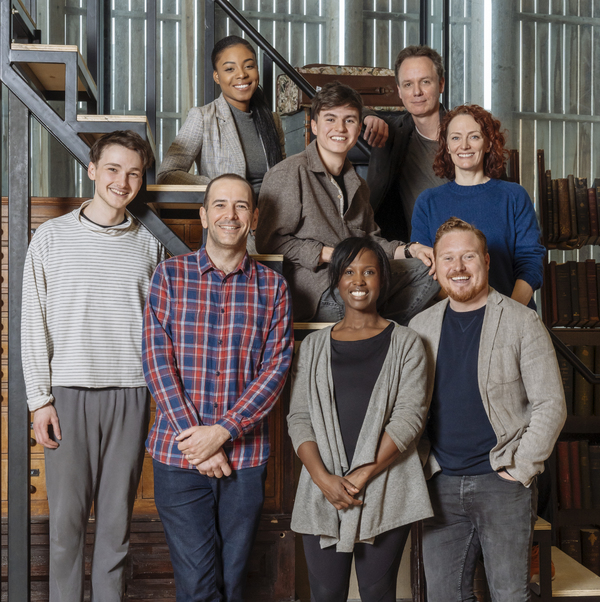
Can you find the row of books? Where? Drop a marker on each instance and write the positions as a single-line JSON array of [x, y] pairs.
[[578, 465], [574, 293], [571, 212], [582, 398], [582, 544]]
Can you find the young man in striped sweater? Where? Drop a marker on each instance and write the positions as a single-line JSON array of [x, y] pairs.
[[85, 282]]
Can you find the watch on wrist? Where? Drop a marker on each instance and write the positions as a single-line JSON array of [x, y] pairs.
[[407, 253]]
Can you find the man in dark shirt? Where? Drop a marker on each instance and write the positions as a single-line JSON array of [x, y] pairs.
[[403, 168], [497, 409]]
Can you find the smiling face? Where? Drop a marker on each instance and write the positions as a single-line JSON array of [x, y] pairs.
[[462, 269], [118, 175], [419, 86], [467, 145], [237, 74], [360, 283], [228, 215], [337, 131]]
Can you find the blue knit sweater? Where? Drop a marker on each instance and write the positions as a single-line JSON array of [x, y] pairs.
[[504, 212]]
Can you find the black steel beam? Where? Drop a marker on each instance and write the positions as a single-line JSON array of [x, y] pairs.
[[18, 413], [267, 79], [577, 364], [95, 47]]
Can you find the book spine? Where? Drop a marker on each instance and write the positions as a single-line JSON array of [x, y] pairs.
[[563, 292], [570, 542], [574, 294], [583, 213], [564, 211], [584, 315], [566, 374], [593, 208], [590, 549], [590, 267], [555, 212], [584, 474], [575, 475], [584, 391], [564, 476], [594, 451], [573, 206], [553, 295]]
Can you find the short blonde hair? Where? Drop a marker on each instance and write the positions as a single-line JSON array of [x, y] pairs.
[[453, 224]]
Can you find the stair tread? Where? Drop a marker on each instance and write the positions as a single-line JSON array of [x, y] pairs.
[[115, 118], [177, 187], [542, 525], [572, 578], [46, 47]]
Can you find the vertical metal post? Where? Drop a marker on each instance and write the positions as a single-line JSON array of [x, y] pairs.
[[19, 226], [95, 47], [151, 65], [423, 21], [209, 44], [446, 26]]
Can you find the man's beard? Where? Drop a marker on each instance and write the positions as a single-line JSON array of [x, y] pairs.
[[465, 296]]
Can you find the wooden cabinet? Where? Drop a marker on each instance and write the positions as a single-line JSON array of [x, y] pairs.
[[149, 574]]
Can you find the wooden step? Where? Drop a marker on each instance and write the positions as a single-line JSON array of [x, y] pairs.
[[542, 525], [572, 579], [92, 127], [44, 65]]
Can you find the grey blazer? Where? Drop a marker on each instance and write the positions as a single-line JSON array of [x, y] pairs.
[[209, 138], [398, 495], [519, 383]]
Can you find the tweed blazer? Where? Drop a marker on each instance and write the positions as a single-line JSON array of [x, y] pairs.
[[396, 496], [301, 211], [519, 382], [209, 137]]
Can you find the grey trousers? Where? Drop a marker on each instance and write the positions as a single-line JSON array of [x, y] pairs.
[[411, 291], [473, 516], [99, 460]]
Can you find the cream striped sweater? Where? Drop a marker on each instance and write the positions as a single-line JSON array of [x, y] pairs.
[[84, 288]]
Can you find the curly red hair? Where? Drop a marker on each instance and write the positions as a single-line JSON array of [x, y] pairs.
[[493, 162]]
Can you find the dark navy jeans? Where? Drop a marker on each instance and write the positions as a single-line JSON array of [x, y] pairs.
[[210, 525], [483, 514]]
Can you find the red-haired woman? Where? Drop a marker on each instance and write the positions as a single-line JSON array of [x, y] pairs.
[[471, 156]]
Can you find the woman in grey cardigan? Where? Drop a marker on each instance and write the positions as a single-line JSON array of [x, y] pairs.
[[236, 133], [357, 409]]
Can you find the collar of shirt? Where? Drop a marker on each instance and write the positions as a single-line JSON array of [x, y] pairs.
[[205, 264]]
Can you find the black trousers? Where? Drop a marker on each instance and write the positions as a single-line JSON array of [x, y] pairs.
[[376, 568]]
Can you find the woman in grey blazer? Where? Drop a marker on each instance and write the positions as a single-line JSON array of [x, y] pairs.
[[358, 406], [236, 133]]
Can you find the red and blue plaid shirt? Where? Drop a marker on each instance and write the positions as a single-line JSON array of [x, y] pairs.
[[216, 350]]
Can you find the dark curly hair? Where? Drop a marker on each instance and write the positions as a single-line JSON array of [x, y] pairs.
[[345, 252], [493, 162]]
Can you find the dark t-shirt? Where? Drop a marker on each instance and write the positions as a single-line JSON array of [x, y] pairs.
[[459, 429], [355, 366], [340, 182], [416, 173]]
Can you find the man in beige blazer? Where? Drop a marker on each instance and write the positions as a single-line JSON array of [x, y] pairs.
[[497, 408]]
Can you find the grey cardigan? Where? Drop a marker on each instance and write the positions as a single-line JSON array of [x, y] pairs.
[[519, 383], [398, 495], [210, 138]]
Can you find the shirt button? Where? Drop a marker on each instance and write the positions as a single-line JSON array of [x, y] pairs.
[[220, 342], [222, 311], [216, 405], [218, 373]]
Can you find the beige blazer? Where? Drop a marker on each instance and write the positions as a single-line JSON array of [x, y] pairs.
[[519, 383], [209, 138]]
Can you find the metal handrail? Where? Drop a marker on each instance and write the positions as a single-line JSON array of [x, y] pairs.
[[258, 39], [577, 364]]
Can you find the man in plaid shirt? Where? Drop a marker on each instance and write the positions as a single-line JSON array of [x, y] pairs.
[[217, 347]]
